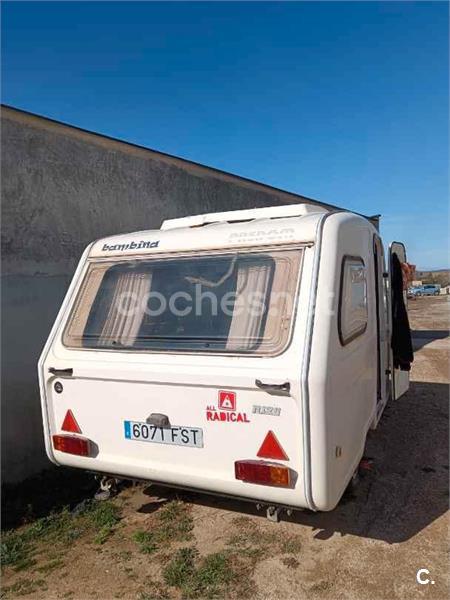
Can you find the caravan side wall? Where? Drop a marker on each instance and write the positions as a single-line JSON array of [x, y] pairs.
[[342, 377]]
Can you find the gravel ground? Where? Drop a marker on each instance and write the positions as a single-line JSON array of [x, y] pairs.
[[370, 547]]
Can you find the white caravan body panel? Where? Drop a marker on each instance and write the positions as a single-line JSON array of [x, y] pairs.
[[321, 423]]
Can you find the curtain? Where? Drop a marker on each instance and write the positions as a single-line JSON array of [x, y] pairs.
[[282, 302], [252, 283], [127, 309], [73, 336]]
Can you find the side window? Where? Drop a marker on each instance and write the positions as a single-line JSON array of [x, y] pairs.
[[352, 317]]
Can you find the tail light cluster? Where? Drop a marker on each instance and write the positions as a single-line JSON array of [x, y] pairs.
[[72, 444], [255, 471], [263, 472]]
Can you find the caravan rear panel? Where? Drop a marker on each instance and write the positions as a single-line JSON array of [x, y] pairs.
[[167, 389]]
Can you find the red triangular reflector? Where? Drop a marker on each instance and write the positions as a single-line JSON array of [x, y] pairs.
[[271, 448], [70, 423]]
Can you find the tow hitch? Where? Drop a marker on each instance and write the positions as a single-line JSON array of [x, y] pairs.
[[273, 513], [107, 488]]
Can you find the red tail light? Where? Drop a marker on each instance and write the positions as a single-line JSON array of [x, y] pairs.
[[271, 448], [70, 423], [72, 445], [254, 471]]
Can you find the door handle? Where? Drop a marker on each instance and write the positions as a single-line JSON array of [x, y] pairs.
[[274, 388], [61, 372]]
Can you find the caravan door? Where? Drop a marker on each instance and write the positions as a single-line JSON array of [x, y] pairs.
[[383, 329], [400, 379]]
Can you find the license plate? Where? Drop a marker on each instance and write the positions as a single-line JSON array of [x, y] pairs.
[[178, 435]]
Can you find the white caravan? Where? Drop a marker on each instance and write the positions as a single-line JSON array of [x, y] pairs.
[[243, 353]]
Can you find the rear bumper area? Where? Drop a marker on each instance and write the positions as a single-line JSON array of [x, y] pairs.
[[206, 482]]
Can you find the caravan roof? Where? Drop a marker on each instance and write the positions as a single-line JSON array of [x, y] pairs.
[[271, 225]]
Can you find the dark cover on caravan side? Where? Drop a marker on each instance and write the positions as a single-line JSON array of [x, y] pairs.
[[401, 333]]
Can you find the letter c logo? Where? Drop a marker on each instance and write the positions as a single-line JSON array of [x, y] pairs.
[[422, 580]]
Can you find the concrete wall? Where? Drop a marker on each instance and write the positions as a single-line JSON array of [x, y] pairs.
[[62, 188]]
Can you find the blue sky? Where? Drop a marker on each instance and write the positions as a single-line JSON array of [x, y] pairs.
[[344, 102]]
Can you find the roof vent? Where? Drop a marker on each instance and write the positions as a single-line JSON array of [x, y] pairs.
[[232, 216]]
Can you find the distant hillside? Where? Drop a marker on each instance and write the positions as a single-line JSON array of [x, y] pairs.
[[441, 276]]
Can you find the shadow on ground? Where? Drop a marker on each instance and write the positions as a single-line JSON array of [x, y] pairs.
[[43, 494], [404, 493], [422, 337]]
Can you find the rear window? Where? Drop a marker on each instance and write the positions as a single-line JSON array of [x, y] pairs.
[[234, 302]]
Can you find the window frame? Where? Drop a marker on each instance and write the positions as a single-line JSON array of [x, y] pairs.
[[299, 247], [347, 340]]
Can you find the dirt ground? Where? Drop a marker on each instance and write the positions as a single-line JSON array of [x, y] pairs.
[[370, 547]]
